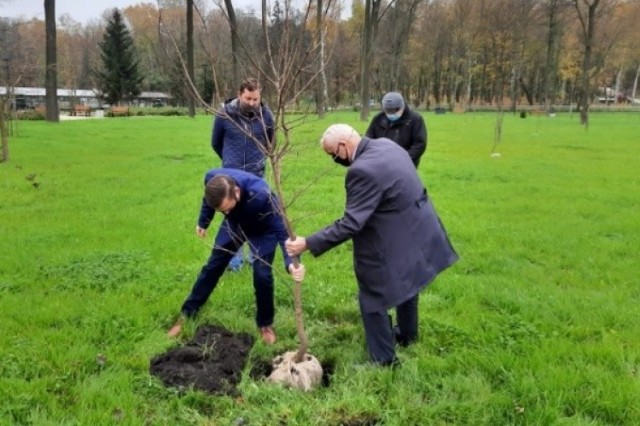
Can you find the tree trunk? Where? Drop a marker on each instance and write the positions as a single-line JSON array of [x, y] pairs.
[[4, 136], [635, 84], [404, 16], [588, 29], [551, 64], [321, 83], [371, 12], [51, 76], [514, 88], [618, 80], [235, 43], [190, 67]]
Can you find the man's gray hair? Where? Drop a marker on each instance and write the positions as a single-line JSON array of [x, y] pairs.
[[336, 133]]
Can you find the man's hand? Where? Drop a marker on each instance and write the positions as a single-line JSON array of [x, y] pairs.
[[202, 233], [297, 273], [295, 247]]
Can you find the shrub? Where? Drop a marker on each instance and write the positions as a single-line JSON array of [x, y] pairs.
[[30, 114]]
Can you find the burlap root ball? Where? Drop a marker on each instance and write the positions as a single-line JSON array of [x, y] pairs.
[[304, 375]]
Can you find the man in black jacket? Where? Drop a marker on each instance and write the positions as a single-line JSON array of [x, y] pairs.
[[403, 126]]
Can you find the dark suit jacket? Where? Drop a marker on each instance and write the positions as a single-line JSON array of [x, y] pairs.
[[399, 243]]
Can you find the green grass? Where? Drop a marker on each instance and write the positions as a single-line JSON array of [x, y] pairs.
[[536, 324]]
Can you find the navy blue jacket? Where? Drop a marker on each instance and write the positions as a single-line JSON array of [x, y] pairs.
[[255, 218], [233, 137]]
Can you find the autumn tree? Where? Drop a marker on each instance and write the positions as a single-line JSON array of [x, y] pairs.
[[119, 79]]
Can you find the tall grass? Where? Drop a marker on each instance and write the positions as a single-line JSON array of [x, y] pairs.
[[536, 324]]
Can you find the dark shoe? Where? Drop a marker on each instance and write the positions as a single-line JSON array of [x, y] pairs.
[[402, 340], [268, 335]]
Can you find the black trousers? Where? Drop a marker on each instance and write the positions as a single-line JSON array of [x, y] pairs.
[[213, 270], [382, 337]]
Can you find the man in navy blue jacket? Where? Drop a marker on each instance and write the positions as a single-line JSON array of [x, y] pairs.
[[242, 134], [251, 215], [243, 130]]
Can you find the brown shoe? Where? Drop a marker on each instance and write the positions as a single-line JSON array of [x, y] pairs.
[[268, 335], [176, 329]]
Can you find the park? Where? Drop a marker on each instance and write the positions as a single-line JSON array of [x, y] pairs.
[[529, 115], [535, 324]]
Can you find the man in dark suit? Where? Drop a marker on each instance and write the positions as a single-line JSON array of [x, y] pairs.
[[399, 243], [252, 214]]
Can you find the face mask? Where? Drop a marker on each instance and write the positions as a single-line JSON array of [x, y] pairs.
[[393, 117], [342, 161]]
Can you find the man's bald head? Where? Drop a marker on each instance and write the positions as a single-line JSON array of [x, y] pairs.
[[337, 133]]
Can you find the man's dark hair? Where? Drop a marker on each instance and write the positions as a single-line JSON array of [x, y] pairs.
[[250, 84], [218, 188]]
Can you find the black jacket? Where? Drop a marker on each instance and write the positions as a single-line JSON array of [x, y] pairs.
[[409, 131]]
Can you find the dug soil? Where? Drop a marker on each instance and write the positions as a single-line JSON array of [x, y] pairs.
[[211, 362]]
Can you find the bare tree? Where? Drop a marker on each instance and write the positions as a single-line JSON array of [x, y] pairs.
[[51, 76], [586, 10], [5, 35], [235, 41], [403, 17], [190, 100], [635, 83], [321, 84], [369, 32], [289, 72], [553, 47], [4, 132]]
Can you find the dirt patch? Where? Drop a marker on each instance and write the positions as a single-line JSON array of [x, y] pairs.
[[211, 362]]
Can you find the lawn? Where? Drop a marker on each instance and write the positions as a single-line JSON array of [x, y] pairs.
[[536, 324]]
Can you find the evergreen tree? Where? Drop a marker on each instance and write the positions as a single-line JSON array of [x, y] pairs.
[[120, 78]]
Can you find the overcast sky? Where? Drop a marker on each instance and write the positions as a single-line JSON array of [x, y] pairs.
[[82, 10]]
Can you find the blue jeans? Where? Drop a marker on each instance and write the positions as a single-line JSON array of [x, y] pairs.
[[238, 259], [213, 270]]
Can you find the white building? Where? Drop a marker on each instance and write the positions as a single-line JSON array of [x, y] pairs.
[[30, 97]]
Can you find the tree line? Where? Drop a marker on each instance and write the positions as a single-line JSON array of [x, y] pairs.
[[455, 53]]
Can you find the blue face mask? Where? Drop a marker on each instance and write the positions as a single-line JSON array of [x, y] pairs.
[[393, 117]]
